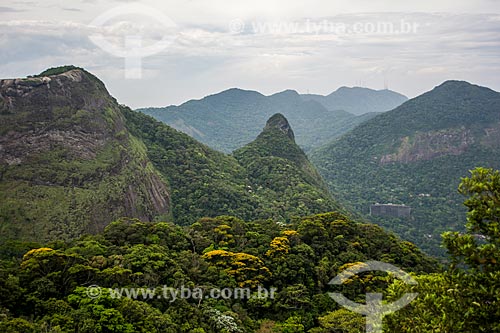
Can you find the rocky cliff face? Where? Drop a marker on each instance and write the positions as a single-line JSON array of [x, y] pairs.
[[40, 113], [65, 149], [279, 122], [429, 145]]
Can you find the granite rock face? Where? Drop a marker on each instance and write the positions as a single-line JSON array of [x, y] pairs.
[[66, 150], [278, 121]]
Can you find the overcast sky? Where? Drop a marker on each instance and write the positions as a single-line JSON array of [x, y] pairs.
[[207, 46]]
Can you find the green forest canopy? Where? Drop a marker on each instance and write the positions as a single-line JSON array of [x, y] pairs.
[[44, 286]]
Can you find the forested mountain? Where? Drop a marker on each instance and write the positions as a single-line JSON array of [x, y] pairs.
[[72, 160], [230, 119], [415, 155], [280, 170], [358, 100]]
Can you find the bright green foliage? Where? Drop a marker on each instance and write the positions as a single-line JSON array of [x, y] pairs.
[[341, 320], [292, 325], [480, 247]]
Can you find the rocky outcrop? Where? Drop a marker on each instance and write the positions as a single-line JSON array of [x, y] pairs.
[[491, 136], [278, 121], [65, 147], [430, 145]]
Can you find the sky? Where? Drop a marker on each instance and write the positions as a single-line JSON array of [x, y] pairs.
[[158, 53]]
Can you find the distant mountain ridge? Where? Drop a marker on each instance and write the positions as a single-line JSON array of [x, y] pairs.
[[230, 119], [415, 155], [357, 100]]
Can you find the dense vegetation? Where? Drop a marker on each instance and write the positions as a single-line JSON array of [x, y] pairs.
[[44, 286], [73, 159], [466, 298], [280, 170], [415, 155], [228, 120], [205, 182]]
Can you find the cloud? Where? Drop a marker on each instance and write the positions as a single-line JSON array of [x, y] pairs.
[[69, 9], [4, 9], [270, 54]]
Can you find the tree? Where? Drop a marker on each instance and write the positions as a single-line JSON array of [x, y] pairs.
[[479, 248], [466, 298], [99, 314], [292, 325], [341, 321]]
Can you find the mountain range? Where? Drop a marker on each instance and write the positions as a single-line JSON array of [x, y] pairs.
[[230, 119], [72, 159], [415, 155], [358, 100]]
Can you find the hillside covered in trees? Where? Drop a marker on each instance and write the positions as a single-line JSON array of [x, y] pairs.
[[73, 160], [78, 286], [415, 155], [107, 214]]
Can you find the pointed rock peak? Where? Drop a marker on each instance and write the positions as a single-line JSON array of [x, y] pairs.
[[279, 122]]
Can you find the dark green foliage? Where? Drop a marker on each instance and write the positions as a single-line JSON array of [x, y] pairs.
[[271, 177], [415, 155], [466, 298], [46, 289], [204, 182], [280, 171], [112, 161], [68, 165]]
